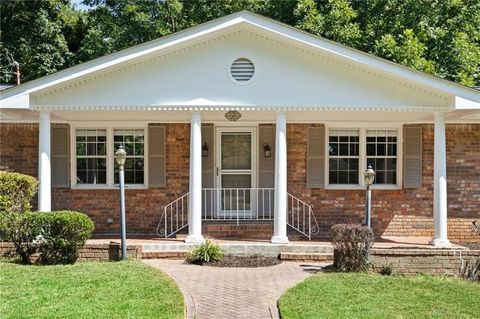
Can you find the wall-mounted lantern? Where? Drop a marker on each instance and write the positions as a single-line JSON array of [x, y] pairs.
[[205, 150], [267, 150]]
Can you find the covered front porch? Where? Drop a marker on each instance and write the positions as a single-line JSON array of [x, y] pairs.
[[249, 172]]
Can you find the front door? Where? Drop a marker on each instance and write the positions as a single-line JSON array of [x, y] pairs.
[[235, 172]]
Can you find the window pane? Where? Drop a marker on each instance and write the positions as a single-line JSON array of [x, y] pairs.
[[333, 149], [343, 156], [382, 153], [370, 149], [333, 164], [333, 177], [343, 149], [81, 149]]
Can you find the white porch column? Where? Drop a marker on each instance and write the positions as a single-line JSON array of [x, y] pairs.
[[44, 169], [440, 183], [195, 181], [280, 206]]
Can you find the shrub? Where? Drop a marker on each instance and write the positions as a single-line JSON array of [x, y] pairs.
[[352, 245], [16, 191], [205, 253], [471, 270], [386, 270], [56, 236]]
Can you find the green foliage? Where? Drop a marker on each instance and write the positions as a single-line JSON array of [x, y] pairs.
[[16, 191], [56, 236], [352, 245], [205, 253]]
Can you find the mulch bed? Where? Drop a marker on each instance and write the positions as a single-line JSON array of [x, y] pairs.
[[246, 261]]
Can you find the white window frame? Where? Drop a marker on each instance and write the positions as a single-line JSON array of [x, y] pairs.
[[109, 127], [362, 165]]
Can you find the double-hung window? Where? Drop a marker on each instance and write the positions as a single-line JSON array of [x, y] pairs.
[[351, 150], [95, 163], [91, 152]]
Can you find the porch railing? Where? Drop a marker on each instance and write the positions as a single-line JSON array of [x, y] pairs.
[[237, 204]]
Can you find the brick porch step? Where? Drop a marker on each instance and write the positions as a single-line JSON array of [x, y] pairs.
[[323, 257], [254, 230]]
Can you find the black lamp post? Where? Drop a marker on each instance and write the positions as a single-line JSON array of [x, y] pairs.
[[120, 157], [369, 177]]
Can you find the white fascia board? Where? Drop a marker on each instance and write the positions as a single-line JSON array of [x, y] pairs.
[[465, 104], [19, 101]]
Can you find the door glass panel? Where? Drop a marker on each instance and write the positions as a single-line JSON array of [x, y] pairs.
[[235, 193], [236, 151]]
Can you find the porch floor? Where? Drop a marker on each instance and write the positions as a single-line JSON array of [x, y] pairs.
[[381, 242]]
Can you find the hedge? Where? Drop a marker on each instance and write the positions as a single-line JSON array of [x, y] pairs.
[[16, 191], [56, 236]]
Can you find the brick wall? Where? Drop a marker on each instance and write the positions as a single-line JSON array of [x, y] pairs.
[[406, 212], [427, 261]]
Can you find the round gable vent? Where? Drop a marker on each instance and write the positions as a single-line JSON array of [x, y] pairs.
[[242, 70]]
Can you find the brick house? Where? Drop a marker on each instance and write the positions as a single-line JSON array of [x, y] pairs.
[[250, 122]]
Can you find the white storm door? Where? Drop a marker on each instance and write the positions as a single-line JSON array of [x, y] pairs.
[[236, 172]]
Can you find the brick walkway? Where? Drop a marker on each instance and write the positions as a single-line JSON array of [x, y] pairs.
[[229, 293]]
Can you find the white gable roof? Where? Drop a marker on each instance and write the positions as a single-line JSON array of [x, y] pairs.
[[303, 71]]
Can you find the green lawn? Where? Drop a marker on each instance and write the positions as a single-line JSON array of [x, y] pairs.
[[337, 295], [88, 290]]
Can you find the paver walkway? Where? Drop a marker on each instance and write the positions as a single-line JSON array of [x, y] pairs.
[[229, 293]]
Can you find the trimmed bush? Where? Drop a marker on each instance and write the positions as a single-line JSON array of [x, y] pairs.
[[16, 191], [205, 253], [352, 245], [56, 236]]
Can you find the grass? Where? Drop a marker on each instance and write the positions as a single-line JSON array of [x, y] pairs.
[[88, 290], [356, 295]]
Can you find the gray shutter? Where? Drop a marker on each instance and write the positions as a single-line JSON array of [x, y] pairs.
[[156, 155], [266, 172], [208, 162], [412, 156], [60, 155], [316, 157]]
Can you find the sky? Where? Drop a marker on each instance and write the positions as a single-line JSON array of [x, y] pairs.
[[79, 5]]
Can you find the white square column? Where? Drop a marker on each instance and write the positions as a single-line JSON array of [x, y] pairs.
[[44, 166], [280, 204], [195, 181], [440, 183]]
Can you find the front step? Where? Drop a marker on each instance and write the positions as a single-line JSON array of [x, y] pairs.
[[254, 230], [320, 257], [165, 254]]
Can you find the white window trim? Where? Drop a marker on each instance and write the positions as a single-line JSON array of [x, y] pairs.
[[362, 166], [109, 127]]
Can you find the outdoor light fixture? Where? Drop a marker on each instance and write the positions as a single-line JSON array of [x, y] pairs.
[[267, 150], [369, 177], [205, 150], [233, 116], [120, 157]]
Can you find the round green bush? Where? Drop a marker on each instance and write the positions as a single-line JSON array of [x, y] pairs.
[[56, 236]]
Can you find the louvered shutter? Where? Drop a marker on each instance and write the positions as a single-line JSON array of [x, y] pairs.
[[316, 157], [60, 155], [156, 156], [412, 156]]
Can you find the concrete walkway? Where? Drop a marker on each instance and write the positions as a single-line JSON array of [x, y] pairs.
[[230, 293]]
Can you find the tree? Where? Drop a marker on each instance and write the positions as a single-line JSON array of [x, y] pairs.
[[31, 33]]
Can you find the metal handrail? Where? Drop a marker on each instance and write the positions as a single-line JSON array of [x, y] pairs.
[[301, 217]]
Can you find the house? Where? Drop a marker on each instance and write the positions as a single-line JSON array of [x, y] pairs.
[[243, 120]]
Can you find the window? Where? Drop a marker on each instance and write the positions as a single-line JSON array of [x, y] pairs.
[[91, 152], [95, 156], [133, 143], [350, 151], [343, 151], [382, 155]]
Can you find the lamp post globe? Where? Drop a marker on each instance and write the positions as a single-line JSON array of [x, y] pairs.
[[120, 156], [369, 176]]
